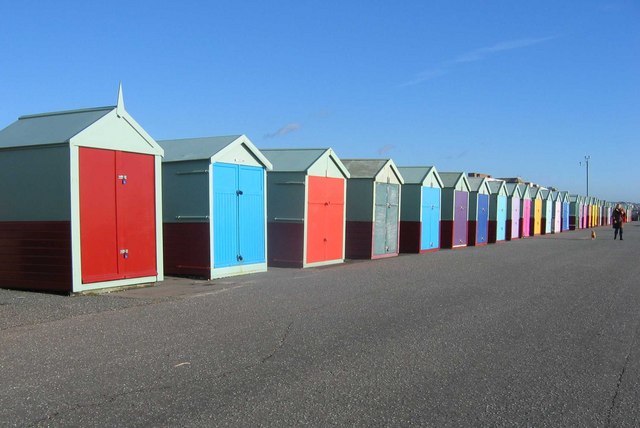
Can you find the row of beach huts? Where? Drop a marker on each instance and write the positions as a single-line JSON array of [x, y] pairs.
[[89, 200]]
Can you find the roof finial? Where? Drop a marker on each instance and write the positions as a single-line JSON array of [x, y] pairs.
[[120, 104]]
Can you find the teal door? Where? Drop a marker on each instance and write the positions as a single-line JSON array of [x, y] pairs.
[[238, 215], [430, 234], [501, 218]]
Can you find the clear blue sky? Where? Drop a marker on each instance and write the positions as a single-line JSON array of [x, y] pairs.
[[508, 88]]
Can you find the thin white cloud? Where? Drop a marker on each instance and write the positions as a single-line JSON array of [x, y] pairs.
[[475, 55], [287, 129], [482, 53], [424, 76], [386, 149]]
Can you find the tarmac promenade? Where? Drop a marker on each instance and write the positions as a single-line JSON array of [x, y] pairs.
[[541, 331]]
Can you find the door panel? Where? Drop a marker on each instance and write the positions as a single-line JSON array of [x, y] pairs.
[[526, 215], [251, 214], [98, 232], [136, 214], [501, 218], [325, 225], [393, 214], [334, 219], [515, 217], [380, 224], [225, 215], [482, 231], [537, 217], [460, 220], [117, 215], [430, 234], [387, 213]]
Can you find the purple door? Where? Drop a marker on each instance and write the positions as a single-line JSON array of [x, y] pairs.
[[460, 219], [515, 217]]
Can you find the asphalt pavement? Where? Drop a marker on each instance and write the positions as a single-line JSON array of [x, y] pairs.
[[542, 331]]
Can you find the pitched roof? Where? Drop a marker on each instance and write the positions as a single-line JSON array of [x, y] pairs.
[[513, 188], [449, 179], [300, 160], [524, 189], [50, 128], [370, 168], [292, 160], [495, 185], [195, 148], [417, 174], [475, 183], [364, 168]]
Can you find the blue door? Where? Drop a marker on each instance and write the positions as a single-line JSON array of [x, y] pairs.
[[565, 216], [238, 215], [548, 217], [501, 218], [430, 235], [482, 232], [251, 214]]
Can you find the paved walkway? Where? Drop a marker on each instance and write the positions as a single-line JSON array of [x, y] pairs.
[[541, 332]]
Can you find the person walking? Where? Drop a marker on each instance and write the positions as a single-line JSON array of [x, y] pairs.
[[618, 217]]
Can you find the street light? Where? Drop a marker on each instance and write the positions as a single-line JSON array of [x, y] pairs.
[[586, 161]]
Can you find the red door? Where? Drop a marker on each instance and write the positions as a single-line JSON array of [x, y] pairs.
[[117, 215], [325, 216]]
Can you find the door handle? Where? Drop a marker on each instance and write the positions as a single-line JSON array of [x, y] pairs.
[[123, 178], [239, 192]]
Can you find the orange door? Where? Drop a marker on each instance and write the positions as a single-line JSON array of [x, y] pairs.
[[325, 219]]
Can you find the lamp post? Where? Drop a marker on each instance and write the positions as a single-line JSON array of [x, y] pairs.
[[586, 161]]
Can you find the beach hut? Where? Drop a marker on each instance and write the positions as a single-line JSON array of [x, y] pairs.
[[525, 210], [588, 211], [84, 206], [420, 209], [214, 206], [514, 197], [547, 211], [455, 208], [373, 208], [478, 227], [628, 208], [575, 212], [603, 210], [536, 211], [608, 212], [564, 198], [497, 211], [585, 212], [556, 212], [306, 191]]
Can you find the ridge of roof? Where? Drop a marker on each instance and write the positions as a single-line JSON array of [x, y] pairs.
[[63, 112]]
